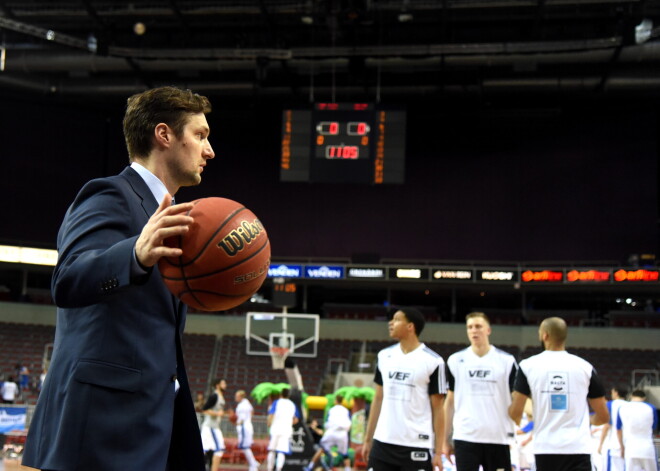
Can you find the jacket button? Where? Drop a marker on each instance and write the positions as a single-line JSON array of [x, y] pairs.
[[173, 378]]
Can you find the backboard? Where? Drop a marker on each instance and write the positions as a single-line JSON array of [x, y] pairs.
[[298, 332]]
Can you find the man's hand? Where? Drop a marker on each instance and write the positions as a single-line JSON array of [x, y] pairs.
[[437, 461], [366, 449], [448, 451], [167, 221]]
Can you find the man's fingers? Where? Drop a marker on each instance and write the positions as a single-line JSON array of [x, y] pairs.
[[166, 252], [166, 202]]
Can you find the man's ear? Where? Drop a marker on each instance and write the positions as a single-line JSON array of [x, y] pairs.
[[162, 135]]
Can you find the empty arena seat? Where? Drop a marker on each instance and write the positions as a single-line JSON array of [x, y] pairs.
[[634, 319], [572, 317]]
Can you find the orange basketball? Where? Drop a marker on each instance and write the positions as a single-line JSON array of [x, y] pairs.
[[226, 254]]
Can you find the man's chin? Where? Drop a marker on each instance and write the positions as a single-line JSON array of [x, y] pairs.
[[193, 181]]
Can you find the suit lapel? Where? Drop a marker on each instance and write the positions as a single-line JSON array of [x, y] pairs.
[[149, 205]]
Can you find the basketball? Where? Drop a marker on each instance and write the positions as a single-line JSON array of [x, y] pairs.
[[233, 417], [226, 254]]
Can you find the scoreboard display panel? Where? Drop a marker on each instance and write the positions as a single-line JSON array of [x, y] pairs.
[[343, 143]]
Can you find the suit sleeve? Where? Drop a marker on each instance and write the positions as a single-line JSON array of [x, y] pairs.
[[95, 246]]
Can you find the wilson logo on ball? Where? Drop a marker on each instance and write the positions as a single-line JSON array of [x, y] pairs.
[[237, 239]]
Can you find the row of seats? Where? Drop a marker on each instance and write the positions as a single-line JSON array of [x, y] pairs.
[[26, 344], [500, 316]]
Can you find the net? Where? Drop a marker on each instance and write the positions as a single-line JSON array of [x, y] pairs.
[[278, 355]]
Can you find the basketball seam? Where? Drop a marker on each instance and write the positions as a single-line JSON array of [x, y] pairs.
[[202, 275]]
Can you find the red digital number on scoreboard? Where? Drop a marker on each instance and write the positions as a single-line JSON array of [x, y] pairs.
[[330, 128], [357, 128], [342, 152]]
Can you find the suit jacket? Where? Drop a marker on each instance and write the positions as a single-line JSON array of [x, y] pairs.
[[108, 401]]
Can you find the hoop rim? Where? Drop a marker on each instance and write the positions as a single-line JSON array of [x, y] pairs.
[[279, 351], [278, 356]]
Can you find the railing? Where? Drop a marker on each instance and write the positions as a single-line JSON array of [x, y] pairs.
[[642, 378]]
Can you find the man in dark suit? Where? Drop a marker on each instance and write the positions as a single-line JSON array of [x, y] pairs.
[[116, 397]]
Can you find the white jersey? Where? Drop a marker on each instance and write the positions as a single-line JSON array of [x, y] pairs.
[[9, 390], [482, 395], [215, 403], [637, 420], [559, 384], [339, 419], [612, 440], [283, 411], [244, 412], [408, 380], [244, 428]]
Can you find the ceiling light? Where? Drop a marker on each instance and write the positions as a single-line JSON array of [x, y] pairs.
[[33, 256], [139, 28], [405, 17]]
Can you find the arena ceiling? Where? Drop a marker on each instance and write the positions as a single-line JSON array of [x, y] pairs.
[[331, 48]]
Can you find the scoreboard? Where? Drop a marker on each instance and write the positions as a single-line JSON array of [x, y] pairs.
[[343, 143]]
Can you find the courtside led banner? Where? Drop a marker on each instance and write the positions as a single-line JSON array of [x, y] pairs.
[[542, 276], [497, 275], [588, 276], [285, 271], [12, 419], [324, 272], [411, 274], [638, 276], [366, 273], [451, 274]]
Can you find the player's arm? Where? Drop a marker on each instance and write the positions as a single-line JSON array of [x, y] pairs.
[[596, 398], [210, 404], [619, 434], [374, 413], [521, 392], [296, 417], [517, 406], [447, 448], [603, 433], [438, 411], [601, 415]]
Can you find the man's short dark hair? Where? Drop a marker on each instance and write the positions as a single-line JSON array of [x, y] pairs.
[[415, 316], [144, 111], [638, 393], [621, 391]]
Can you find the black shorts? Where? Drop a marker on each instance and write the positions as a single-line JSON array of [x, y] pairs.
[[387, 457], [471, 455], [563, 462]]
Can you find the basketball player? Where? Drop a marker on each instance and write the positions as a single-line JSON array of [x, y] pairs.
[[405, 430], [244, 428], [117, 397], [635, 425], [282, 416], [480, 382], [562, 386], [609, 446], [212, 438], [335, 433]]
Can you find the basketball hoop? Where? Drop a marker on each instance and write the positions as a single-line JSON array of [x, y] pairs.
[[278, 355]]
